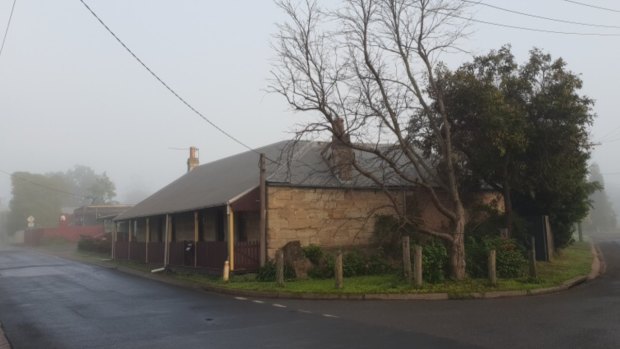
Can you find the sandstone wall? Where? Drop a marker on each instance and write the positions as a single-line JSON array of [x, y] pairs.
[[335, 217], [325, 217]]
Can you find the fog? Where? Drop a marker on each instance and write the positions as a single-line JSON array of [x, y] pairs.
[[70, 94]]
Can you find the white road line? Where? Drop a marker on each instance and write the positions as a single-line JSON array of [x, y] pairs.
[[279, 305], [330, 316], [304, 311], [241, 298], [257, 301]]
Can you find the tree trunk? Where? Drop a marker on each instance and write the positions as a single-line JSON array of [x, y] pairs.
[[457, 248]]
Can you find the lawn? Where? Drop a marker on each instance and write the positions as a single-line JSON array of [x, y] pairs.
[[572, 262]]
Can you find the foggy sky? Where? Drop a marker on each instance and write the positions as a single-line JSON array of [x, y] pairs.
[[70, 94]]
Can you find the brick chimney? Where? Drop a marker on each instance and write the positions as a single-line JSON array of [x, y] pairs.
[[340, 155], [192, 161]]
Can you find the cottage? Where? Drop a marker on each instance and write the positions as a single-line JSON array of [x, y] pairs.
[[231, 210]]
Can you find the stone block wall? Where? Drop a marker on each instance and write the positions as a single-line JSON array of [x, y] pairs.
[[337, 217], [325, 217]]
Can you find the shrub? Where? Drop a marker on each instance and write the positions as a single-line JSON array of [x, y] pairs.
[[324, 269], [267, 272], [476, 253], [354, 264], [378, 264], [314, 253], [434, 261], [99, 244], [510, 259], [387, 235], [511, 262]]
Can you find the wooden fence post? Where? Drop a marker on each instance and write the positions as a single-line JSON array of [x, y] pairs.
[[338, 272], [417, 265], [533, 271], [407, 259], [280, 267], [492, 267]]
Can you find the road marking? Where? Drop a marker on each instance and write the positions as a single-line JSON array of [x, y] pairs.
[[330, 316], [304, 311], [279, 305], [241, 298], [257, 301]]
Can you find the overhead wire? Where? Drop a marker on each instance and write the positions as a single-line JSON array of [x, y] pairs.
[[540, 17], [13, 175], [8, 25], [592, 6], [527, 28], [609, 134], [166, 85]]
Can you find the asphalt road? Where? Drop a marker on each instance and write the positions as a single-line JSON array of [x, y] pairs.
[[49, 302]]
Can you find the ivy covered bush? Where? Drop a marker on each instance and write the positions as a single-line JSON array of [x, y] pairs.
[[267, 273], [434, 261], [355, 263], [510, 260]]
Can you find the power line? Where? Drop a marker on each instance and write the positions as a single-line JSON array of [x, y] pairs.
[[525, 28], [541, 17], [593, 6], [8, 24], [609, 134], [610, 141], [170, 89], [12, 175]]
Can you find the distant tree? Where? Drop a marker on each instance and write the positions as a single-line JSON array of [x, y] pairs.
[[602, 216], [38, 195], [88, 186], [45, 195]]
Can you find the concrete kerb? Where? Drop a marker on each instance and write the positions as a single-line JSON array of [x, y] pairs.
[[598, 263], [597, 268]]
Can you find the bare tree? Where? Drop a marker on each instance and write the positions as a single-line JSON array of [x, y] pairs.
[[368, 71]]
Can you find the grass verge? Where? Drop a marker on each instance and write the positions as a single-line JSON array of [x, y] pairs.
[[572, 262]]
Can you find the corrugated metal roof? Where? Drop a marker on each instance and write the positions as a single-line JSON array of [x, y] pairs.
[[300, 163]]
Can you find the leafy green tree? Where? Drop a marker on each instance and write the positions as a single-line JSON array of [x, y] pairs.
[[555, 169], [491, 129], [524, 130]]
